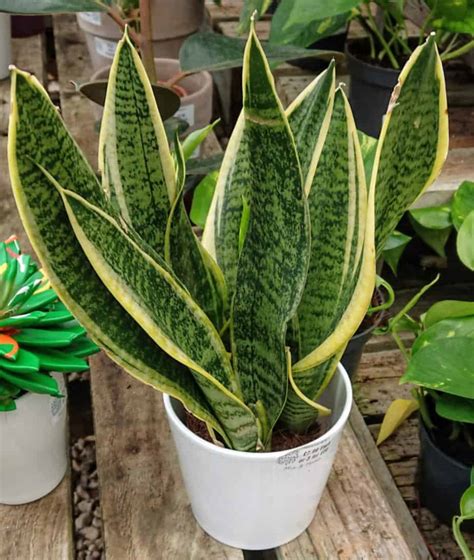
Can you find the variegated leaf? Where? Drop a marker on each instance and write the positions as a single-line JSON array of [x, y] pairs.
[[147, 290], [188, 259], [274, 250], [341, 275], [309, 116], [414, 139], [134, 157], [32, 123]]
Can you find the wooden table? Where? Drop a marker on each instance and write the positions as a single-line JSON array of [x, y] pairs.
[[145, 511]]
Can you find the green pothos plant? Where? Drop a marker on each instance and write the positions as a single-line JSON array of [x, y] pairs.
[[246, 327], [466, 513], [434, 225]]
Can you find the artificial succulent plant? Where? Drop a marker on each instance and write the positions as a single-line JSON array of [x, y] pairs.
[[38, 335]]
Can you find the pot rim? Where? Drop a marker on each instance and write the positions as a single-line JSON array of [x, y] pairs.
[[207, 83], [356, 61], [271, 455], [448, 458]]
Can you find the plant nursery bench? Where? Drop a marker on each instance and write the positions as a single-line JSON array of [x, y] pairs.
[[145, 512]]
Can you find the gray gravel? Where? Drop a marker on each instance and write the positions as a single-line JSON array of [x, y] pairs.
[[87, 515]]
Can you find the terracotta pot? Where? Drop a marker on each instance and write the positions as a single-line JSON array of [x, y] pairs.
[[173, 22], [196, 106]]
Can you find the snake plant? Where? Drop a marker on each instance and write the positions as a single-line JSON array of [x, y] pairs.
[[246, 327], [38, 334]]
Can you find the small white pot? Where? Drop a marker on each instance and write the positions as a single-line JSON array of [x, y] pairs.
[[33, 447], [256, 501], [5, 45]]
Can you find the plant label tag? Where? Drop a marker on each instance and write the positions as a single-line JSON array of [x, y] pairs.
[[186, 112], [105, 48], [91, 17], [57, 404], [308, 455]]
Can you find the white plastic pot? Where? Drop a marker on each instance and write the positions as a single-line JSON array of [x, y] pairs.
[[257, 501], [33, 447], [5, 45]]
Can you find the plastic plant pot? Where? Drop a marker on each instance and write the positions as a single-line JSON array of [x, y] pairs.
[[33, 448], [370, 90], [256, 501], [441, 480]]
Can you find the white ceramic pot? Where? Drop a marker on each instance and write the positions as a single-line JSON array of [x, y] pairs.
[[5, 45], [33, 447], [196, 105], [256, 501]]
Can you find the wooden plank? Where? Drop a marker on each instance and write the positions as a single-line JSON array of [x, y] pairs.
[[404, 475], [41, 529], [354, 518], [229, 10], [145, 510]]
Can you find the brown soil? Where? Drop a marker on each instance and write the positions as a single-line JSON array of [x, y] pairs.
[[282, 440]]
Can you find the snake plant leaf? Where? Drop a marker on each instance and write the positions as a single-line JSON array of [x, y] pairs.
[[414, 139], [309, 116], [301, 409], [74, 280], [167, 313], [341, 275], [134, 157], [202, 199], [49, 141], [276, 243], [185, 255]]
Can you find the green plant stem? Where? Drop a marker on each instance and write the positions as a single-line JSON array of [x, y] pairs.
[[146, 39], [373, 27], [114, 14], [458, 52], [401, 346], [457, 520]]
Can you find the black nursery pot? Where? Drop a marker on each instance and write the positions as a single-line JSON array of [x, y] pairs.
[[442, 480], [354, 350], [370, 88], [334, 42]]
